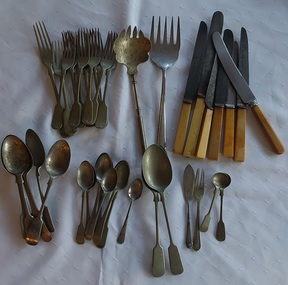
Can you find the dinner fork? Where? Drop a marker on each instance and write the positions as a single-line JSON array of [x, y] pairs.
[[82, 52], [164, 54], [107, 64], [198, 194]]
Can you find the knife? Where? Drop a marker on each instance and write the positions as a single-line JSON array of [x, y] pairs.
[[191, 87], [194, 129], [240, 133], [229, 118], [220, 99], [245, 92]]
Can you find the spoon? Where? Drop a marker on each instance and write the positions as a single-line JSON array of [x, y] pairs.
[[123, 171], [221, 181], [134, 193], [37, 151], [56, 164], [103, 163], [157, 174], [86, 180], [16, 160], [132, 51]]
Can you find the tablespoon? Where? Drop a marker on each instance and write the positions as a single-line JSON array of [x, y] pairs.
[[123, 171], [134, 193], [56, 164], [102, 165], [86, 180], [37, 151], [16, 160], [221, 181], [157, 173]]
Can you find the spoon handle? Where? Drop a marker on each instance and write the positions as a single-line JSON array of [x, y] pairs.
[[121, 236], [220, 231]]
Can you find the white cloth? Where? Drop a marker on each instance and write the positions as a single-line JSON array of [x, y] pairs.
[[255, 204]]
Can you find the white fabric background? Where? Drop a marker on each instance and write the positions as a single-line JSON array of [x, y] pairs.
[[255, 205]]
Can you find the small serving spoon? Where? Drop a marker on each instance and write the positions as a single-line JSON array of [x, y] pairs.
[[134, 193], [221, 181], [86, 180], [56, 164]]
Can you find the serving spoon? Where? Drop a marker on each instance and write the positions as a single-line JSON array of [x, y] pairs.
[[56, 164], [86, 180], [134, 193], [157, 174]]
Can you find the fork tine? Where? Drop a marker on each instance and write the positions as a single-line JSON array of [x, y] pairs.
[[128, 33], [46, 35], [135, 32], [172, 32], [165, 32], [159, 32], [152, 30], [178, 33]]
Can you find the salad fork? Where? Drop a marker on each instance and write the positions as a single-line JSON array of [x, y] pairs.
[[164, 54]]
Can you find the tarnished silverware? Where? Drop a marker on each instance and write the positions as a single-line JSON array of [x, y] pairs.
[[164, 54]]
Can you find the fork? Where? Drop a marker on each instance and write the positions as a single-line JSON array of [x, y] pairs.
[[107, 64], [164, 54], [82, 52], [198, 194]]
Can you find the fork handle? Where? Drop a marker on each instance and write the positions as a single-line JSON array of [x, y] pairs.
[[196, 237]]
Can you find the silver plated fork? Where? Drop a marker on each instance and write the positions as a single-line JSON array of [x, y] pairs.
[[164, 54]]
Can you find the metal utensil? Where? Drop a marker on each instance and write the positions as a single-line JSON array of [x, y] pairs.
[[132, 51], [221, 181], [198, 194], [157, 174], [188, 188], [56, 164], [134, 193], [86, 180], [164, 54]]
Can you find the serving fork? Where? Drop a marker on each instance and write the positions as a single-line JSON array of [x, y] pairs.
[[198, 194], [164, 54]]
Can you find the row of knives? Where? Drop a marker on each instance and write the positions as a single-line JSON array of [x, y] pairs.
[[212, 102]]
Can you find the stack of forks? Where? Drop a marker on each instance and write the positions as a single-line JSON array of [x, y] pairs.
[[74, 63]]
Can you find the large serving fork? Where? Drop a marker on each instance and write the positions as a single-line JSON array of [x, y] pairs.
[[107, 64], [82, 58], [164, 54], [198, 194]]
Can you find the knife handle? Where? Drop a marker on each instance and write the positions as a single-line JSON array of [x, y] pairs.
[[229, 128], [240, 135], [268, 129], [215, 136], [193, 134], [204, 134], [182, 128]]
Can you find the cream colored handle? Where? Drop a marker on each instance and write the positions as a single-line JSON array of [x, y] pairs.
[[229, 129], [240, 135]]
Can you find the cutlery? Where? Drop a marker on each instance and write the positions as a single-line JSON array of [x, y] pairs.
[[132, 51], [194, 129], [240, 129], [245, 93], [191, 87], [220, 98], [198, 194], [188, 188], [164, 54]]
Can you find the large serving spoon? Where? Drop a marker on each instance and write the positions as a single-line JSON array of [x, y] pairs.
[[86, 180], [37, 151], [221, 181], [56, 164], [102, 165], [123, 172], [16, 160], [134, 193], [157, 174]]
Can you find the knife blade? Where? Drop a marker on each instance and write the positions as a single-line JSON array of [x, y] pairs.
[[240, 132], [191, 87], [229, 118], [194, 129], [245, 92], [220, 99]]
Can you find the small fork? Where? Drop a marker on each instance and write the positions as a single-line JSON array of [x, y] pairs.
[[164, 54], [198, 194]]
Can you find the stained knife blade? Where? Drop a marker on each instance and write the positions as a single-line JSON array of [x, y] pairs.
[[245, 92], [193, 134], [191, 87]]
